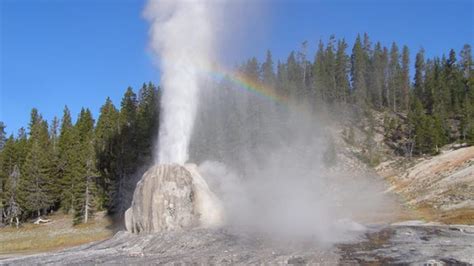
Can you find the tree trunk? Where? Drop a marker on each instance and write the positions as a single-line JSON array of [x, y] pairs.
[[394, 102], [86, 208], [387, 96], [1, 209]]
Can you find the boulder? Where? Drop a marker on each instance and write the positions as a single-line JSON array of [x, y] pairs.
[[172, 197]]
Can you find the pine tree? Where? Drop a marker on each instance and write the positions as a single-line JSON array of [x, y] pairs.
[[467, 118], [368, 61], [367, 46], [385, 90], [405, 78], [454, 82], [107, 147], [268, 74], [147, 122], [68, 161], [417, 122], [55, 160], [419, 86], [13, 155], [429, 132], [7, 162], [54, 133], [377, 76], [21, 147], [84, 189], [282, 78], [428, 88], [330, 72], [437, 95], [319, 72], [437, 132], [467, 68], [251, 71], [127, 151], [394, 78], [36, 185], [295, 77], [342, 72], [358, 72], [442, 98]]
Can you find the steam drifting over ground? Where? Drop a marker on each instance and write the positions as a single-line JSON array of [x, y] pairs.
[[265, 160], [262, 157]]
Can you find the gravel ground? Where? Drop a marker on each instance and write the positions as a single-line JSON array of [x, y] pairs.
[[407, 243]]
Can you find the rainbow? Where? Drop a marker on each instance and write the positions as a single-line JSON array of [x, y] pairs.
[[245, 83]]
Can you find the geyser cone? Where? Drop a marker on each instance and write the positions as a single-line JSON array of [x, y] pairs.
[[172, 197]]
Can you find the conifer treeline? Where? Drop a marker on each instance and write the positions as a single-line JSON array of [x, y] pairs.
[[433, 109], [90, 165], [78, 167]]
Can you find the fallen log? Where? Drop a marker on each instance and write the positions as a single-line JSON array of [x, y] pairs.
[[41, 221]]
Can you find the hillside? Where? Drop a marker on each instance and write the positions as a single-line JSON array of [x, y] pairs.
[[429, 187], [441, 186]]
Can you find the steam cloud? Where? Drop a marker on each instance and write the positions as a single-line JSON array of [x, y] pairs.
[[182, 37], [265, 160], [262, 158]]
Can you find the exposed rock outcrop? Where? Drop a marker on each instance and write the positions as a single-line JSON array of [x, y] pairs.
[[442, 184], [172, 197]]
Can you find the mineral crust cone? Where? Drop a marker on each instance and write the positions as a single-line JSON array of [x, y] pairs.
[[172, 197]]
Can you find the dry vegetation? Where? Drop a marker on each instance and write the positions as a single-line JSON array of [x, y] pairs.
[[56, 235], [438, 188]]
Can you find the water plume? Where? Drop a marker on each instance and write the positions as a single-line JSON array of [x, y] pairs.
[[181, 35]]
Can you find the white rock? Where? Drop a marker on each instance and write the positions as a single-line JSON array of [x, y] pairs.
[[172, 197]]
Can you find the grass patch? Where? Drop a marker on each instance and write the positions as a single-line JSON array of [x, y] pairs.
[[458, 216], [56, 235]]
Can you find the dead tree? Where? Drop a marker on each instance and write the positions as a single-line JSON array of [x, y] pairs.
[[13, 210]]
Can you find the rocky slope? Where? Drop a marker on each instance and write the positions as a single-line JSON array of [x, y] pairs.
[[443, 185]]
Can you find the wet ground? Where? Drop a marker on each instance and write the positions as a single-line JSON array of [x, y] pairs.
[[407, 243], [418, 244]]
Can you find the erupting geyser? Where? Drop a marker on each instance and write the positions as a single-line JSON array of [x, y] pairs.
[[181, 36], [259, 150], [172, 195]]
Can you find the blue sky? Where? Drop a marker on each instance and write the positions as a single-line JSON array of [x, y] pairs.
[[78, 52]]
